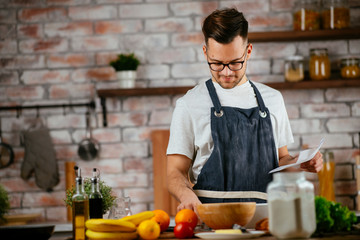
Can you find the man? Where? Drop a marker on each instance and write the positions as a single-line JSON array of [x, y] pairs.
[[227, 133]]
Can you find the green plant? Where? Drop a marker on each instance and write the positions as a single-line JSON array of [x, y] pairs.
[[105, 190], [4, 202], [125, 62]]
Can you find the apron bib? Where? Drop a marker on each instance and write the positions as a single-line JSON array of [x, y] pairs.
[[244, 153]]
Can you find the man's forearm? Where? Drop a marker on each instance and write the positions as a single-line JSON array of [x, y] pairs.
[[179, 185]]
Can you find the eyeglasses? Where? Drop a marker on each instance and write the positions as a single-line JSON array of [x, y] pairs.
[[233, 66]]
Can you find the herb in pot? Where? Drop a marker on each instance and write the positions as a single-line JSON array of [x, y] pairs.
[[4, 203]]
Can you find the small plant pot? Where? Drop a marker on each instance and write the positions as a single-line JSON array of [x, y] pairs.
[[126, 79]]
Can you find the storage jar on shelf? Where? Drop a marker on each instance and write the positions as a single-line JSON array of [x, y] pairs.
[[306, 15], [319, 64], [335, 14], [294, 68], [350, 67]]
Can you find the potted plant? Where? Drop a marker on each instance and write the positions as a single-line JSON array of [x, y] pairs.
[[125, 66], [4, 203]]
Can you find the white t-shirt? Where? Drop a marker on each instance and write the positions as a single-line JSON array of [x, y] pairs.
[[190, 131]]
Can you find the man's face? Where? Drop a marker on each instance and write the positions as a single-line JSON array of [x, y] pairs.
[[232, 53]]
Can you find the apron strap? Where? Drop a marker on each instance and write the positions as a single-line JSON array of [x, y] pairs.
[[258, 97], [214, 97], [231, 194]]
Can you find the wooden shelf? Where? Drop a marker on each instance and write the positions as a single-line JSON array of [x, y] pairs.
[[283, 36]]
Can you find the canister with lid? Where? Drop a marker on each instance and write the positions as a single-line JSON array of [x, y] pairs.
[[294, 68], [335, 14], [291, 206], [306, 15], [350, 67], [319, 64]]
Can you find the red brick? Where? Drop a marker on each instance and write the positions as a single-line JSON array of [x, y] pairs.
[[45, 76], [101, 74], [30, 61], [24, 3], [139, 195], [345, 155], [9, 78], [48, 45], [56, 214], [343, 172], [345, 188], [193, 8], [7, 46], [143, 10], [346, 201], [126, 119], [25, 92], [95, 43], [66, 121], [43, 199], [75, 91], [42, 14], [126, 180], [282, 5], [123, 26], [103, 135], [116, 150], [18, 185], [15, 200], [92, 12], [104, 58], [187, 39], [30, 31], [269, 20], [68, 29], [106, 166], [66, 152], [146, 103], [67, 2], [138, 164], [70, 60]]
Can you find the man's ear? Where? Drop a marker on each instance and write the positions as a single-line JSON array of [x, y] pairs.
[[204, 50], [249, 49]]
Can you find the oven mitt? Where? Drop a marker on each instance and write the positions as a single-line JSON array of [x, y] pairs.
[[40, 158]]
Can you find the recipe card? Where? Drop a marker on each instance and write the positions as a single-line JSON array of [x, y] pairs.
[[304, 156]]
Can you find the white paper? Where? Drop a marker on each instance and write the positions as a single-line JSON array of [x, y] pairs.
[[304, 156]]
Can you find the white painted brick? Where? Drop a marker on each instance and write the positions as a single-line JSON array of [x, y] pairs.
[[67, 121], [146, 103], [300, 126], [355, 109], [162, 117], [272, 50], [331, 140], [68, 29], [9, 77], [30, 61], [193, 8], [128, 119], [249, 5], [140, 195], [343, 94], [143, 10], [129, 149], [126, 180], [302, 96], [343, 172], [258, 67], [190, 70], [92, 12], [296, 144], [292, 111], [354, 46], [343, 125], [187, 39], [56, 214], [169, 25], [265, 78], [324, 110], [171, 55], [60, 137], [334, 47], [136, 134], [138, 164], [94, 43], [45, 76], [43, 46], [143, 41], [154, 71], [7, 46]]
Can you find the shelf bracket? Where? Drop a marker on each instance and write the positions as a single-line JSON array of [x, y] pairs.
[[103, 106]]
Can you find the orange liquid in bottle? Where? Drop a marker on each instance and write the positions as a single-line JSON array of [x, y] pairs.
[[326, 179]]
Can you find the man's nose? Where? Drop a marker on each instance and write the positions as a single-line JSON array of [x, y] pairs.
[[226, 71]]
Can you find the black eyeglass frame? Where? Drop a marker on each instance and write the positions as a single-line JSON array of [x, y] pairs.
[[228, 64]]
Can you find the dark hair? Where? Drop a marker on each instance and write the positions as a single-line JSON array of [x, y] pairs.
[[224, 25]]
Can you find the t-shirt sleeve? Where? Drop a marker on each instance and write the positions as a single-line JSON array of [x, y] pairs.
[[181, 139], [285, 134]]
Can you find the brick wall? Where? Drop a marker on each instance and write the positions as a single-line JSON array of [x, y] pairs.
[[54, 51]]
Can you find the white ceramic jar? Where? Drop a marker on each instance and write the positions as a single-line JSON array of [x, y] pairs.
[[291, 204]]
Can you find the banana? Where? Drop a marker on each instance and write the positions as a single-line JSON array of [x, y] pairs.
[[139, 217], [111, 235], [110, 225]]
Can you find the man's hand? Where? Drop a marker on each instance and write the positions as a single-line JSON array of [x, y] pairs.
[[189, 202], [314, 165]]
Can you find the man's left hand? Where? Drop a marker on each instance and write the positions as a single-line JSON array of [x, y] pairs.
[[314, 165]]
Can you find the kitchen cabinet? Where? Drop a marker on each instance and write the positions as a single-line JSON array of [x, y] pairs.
[[273, 36]]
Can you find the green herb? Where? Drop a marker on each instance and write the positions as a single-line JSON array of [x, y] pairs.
[[4, 203], [125, 62], [105, 190], [332, 216]]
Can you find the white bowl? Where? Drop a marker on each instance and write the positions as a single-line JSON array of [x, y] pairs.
[[260, 213]]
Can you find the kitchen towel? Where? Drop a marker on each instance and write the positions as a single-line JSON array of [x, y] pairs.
[[40, 158]]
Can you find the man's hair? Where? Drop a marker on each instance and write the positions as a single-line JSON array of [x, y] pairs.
[[224, 25]]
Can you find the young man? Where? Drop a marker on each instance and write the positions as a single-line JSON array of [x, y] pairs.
[[227, 133]]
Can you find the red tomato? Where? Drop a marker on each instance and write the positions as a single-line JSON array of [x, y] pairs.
[[183, 230]]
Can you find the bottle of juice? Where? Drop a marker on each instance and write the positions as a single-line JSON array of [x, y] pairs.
[[95, 197], [80, 208], [326, 177]]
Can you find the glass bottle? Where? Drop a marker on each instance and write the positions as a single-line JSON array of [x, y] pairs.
[[294, 69], [319, 64], [120, 208], [326, 177], [306, 15], [350, 67], [95, 197], [335, 14], [80, 208], [291, 206]]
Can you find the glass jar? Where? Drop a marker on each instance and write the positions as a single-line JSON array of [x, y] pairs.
[[326, 177], [350, 68], [335, 14], [306, 15], [294, 68], [319, 64], [291, 205]]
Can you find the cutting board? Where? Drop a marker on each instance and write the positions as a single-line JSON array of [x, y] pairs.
[[19, 219]]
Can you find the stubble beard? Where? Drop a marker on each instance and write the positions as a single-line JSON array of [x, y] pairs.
[[230, 85]]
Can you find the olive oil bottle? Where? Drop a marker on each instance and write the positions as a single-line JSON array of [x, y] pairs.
[[95, 197], [80, 208]]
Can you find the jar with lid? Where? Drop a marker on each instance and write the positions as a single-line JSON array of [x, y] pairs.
[[350, 67], [335, 14], [291, 206], [319, 64], [306, 15], [294, 68]]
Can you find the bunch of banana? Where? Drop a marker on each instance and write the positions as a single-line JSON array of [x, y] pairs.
[[115, 229]]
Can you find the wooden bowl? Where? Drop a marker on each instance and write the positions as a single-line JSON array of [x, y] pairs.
[[225, 215]]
